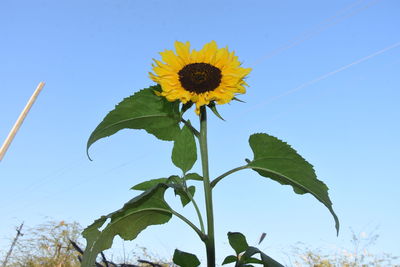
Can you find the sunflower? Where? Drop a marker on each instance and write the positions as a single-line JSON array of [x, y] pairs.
[[200, 77]]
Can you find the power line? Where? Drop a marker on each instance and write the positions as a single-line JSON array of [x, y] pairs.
[[44, 180], [324, 76], [77, 184], [324, 25]]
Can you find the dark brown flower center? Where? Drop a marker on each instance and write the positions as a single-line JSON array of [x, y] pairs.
[[200, 77]]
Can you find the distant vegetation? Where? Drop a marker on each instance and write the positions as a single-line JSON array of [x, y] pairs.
[[48, 245], [358, 255]]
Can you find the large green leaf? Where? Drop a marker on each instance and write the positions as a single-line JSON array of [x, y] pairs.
[[229, 259], [266, 261], [193, 176], [275, 159], [185, 259], [146, 185], [149, 208], [238, 242], [184, 153], [143, 110], [244, 253], [174, 182]]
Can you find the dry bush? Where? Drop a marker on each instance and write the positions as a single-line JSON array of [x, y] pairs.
[[47, 245], [359, 255]]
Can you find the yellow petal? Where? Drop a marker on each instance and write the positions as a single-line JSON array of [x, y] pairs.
[[169, 57], [183, 51]]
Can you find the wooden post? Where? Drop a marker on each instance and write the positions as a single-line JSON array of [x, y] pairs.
[[19, 121], [13, 245]]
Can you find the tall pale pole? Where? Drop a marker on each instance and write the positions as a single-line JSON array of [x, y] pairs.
[[19, 121]]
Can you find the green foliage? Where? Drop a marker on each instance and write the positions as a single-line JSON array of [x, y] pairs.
[[185, 259], [184, 194], [149, 184], [238, 242], [175, 182], [143, 110], [229, 259], [186, 107], [275, 159], [245, 253], [146, 110], [184, 153], [265, 259], [193, 176], [213, 108], [147, 209]]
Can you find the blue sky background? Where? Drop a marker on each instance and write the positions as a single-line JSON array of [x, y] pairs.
[[92, 54]]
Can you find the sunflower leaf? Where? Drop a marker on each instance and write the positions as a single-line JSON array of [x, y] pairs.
[[185, 107], [184, 195], [174, 182], [143, 110], [213, 108], [239, 100], [149, 184], [193, 176], [238, 242], [149, 208], [265, 259], [185, 259], [229, 259], [275, 159], [184, 152]]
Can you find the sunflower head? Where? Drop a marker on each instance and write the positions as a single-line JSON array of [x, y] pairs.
[[210, 74]]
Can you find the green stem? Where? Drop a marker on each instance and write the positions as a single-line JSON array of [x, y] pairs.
[[188, 124], [210, 242], [194, 204], [197, 211], [183, 218], [219, 178]]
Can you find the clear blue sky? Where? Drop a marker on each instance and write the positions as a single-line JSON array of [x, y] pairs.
[[92, 54]]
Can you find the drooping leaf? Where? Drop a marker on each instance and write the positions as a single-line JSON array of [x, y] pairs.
[[239, 100], [265, 259], [213, 108], [184, 153], [149, 184], [275, 159], [149, 208], [193, 176], [229, 259], [175, 179], [185, 199], [185, 259], [181, 190], [238, 242], [186, 106], [254, 260], [174, 182], [143, 110]]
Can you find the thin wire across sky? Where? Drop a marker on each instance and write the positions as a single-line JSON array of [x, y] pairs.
[[345, 13]]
